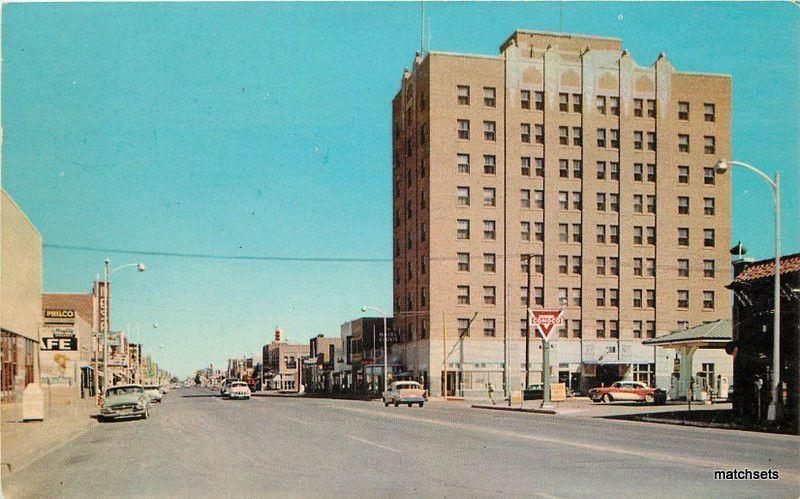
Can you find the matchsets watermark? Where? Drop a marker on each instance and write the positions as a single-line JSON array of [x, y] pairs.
[[746, 474]]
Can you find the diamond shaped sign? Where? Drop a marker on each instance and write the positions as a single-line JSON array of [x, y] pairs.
[[544, 320]]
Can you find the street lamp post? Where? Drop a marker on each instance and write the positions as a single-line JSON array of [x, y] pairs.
[[385, 345], [141, 268], [528, 325], [721, 167]]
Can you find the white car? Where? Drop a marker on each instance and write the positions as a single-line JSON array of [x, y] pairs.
[[226, 386], [154, 392], [239, 390], [405, 392]]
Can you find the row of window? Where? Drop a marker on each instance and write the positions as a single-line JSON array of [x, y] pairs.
[[574, 103], [604, 170]]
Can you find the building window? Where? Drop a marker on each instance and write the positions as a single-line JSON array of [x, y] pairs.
[[708, 299], [651, 141], [489, 231], [637, 298], [577, 233], [525, 132], [538, 231], [601, 201], [651, 234], [489, 196], [463, 262], [637, 329], [538, 199], [683, 298], [601, 104], [463, 196], [601, 297], [651, 108], [563, 329], [563, 264], [538, 264], [601, 265], [525, 99], [708, 238], [563, 295], [651, 267], [651, 172], [614, 169], [524, 263], [538, 134], [613, 265], [577, 266], [601, 137], [683, 174], [613, 234], [577, 136], [683, 205], [463, 95], [423, 299], [577, 297], [638, 108], [709, 113], [463, 163], [601, 170], [577, 168], [489, 164], [563, 168], [463, 327], [523, 295], [683, 142], [463, 229], [463, 295], [576, 328], [563, 102], [489, 130], [708, 206], [539, 101], [650, 294], [489, 262], [614, 202], [563, 135], [525, 166], [613, 329], [525, 198], [638, 140], [601, 234], [614, 104], [600, 328], [538, 296], [683, 267], [709, 144], [577, 200], [708, 268], [637, 267], [651, 329], [525, 231], [613, 297], [489, 96], [563, 232], [637, 234], [539, 166], [708, 176], [638, 172], [489, 327], [683, 111], [489, 295], [683, 236], [577, 103], [463, 129]]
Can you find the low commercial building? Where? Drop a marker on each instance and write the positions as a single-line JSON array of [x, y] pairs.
[[285, 361], [20, 298], [365, 352], [323, 353], [753, 314]]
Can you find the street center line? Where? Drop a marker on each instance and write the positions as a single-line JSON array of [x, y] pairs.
[[373, 443], [298, 421]]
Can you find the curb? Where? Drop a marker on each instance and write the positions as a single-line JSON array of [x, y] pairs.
[[514, 409]]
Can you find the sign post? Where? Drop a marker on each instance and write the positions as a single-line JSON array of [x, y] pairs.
[[545, 320]]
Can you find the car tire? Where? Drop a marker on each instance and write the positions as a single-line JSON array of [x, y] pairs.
[[385, 403], [649, 399], [607, 398], [396, 403], [420, 404]]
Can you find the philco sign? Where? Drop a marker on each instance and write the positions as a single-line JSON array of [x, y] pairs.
[[59, 316]]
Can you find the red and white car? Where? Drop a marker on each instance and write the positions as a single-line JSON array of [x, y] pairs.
[[631, 391]]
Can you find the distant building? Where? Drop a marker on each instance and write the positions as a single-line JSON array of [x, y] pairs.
[[753, 314], [323, 352], [285, 362], [20, 298], [364, 352], [564, 158]]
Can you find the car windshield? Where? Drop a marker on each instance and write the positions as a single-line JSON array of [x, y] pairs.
[[239, 383], [151, 388], [407, 386], [123, 390]]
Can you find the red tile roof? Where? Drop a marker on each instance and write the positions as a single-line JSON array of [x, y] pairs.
[[766, 268]]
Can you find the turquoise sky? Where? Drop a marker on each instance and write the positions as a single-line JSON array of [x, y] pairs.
[[264, 129]]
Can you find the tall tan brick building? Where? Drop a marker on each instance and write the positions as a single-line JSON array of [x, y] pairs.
[[564, 148]]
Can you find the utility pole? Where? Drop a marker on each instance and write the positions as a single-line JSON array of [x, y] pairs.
[[528, 326], [106, 324]]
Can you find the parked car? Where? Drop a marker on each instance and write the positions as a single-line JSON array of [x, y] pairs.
[[239, 390], [534, 392], [628, 391], [226, 385], [154, 392], [405, 392], [125, 401]]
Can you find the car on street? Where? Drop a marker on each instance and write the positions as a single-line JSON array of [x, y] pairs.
[[226, 385], [239, 390], [154, 392], [405, 392], [535, 391], [125, 401], [631, 391]]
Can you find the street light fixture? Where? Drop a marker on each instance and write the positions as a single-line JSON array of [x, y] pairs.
[[721, 167], [385, 343]]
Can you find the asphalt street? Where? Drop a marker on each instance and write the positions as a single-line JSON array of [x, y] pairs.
[[198, 444]]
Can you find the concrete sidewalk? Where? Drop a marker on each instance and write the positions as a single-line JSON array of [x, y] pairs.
[[584, 407], [23, 442]]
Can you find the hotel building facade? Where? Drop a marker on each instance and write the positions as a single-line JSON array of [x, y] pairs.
[[564, 154]]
